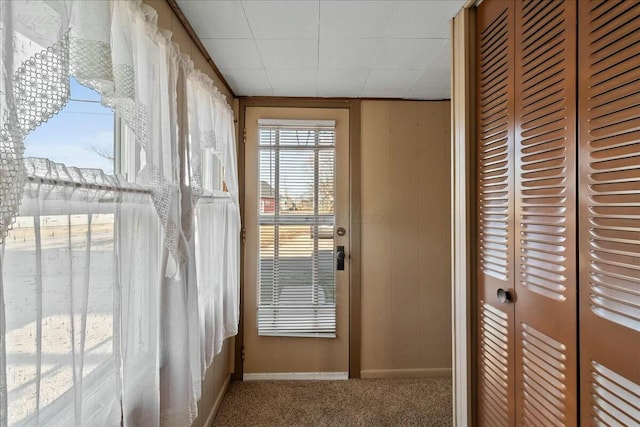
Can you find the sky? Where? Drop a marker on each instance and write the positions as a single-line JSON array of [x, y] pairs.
[[73, 135]]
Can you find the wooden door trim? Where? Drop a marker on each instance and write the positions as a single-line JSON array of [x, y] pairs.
[[353, 105], [463, 232]]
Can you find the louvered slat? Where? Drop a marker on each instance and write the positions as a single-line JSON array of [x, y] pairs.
[[495, 162], [495, 374], [545, 229], [609, 183], [546, 263], [546, 149], [616, 400], [495, 211], [544, 364]]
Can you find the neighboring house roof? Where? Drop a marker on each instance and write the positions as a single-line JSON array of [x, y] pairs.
[[267, 191]]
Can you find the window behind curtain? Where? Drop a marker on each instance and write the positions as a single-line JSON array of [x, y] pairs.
[[81, 135], [59, 272]]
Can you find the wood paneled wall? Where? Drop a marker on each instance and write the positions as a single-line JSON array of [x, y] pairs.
[[406, 251]]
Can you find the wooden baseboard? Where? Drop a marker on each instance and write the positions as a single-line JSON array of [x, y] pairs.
[[218, 402], [407, 373], [289, 376]]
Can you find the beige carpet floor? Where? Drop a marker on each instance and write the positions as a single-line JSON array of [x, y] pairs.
[[358, 402]]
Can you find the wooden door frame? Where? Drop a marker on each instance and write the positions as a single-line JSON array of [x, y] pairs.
[[464, 214], [353, 105]]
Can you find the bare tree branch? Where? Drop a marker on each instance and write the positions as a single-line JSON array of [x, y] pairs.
[[101, 152]]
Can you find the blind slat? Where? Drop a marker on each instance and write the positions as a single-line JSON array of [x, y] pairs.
[[296, 274]]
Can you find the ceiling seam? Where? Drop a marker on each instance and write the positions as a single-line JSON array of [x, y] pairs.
[[375, 58], [253, 37], [427, 69]]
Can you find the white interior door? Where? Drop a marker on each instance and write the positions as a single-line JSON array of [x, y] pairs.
[[296, 308]]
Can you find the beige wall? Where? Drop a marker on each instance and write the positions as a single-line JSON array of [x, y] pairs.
[[217, 377], [406, 299]]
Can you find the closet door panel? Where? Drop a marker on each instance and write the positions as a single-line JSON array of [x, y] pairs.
[[495, 212], [609, 186], [545, 200]]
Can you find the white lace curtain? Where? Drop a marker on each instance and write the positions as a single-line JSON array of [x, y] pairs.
[[169, 263], [78, 271]]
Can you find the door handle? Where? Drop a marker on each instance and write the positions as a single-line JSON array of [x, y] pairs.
[[504, 296], [340, 257]]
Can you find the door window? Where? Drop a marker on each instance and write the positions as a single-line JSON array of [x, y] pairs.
[[296, 271]]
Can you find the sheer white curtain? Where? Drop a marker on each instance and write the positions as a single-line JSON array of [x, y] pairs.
[[75, 268], [139, 257], [169, 254], [34, 85], [217, 225]]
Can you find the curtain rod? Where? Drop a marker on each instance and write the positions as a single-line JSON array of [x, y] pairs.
[[84, 185], [88, 186], [215, 196]]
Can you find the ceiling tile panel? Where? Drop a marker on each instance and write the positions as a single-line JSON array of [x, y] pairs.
[[391, 80], [341, 83], [294, 82], [423, 19], [224, 19], [248, 82], [355, 19], [288, 54], [432, 94], [397, 54], [282, 19], [350, 53], [234, 53], [433, 84], [443, 58], [328, 48]]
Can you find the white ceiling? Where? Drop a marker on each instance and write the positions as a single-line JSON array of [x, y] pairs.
[[328, 48]]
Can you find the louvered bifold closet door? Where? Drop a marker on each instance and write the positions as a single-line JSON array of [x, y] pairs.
[[495, 26], [609, 186], [545, 197]]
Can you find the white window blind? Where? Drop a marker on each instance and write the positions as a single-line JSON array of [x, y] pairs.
[[296, 274]]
